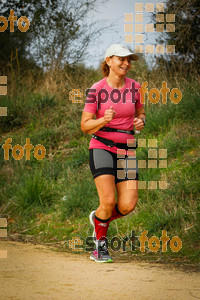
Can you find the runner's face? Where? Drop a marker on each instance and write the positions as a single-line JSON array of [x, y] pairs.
[[120, 65]]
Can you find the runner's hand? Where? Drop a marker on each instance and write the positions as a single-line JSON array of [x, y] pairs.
[[109, 114], [138, 123]]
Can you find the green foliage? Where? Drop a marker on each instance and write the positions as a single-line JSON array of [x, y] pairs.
[[58, 33], [78, 157], [32, 191], [178, 145], [161, 117], [61, 187], [185, 37], [21, 109], [186, 182], [81, 196]]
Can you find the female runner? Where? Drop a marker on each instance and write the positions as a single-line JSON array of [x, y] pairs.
[[115, 100]]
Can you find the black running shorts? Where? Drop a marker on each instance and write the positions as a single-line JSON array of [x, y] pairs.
[[105, 162]]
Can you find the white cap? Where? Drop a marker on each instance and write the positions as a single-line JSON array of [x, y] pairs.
[[120, 50]]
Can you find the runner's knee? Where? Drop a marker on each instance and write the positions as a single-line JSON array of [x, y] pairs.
[[107, 203], [128, 207]]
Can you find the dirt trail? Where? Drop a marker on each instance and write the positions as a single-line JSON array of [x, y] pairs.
[[35, 272]]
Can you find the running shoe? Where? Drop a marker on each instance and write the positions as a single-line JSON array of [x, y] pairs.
[[91, 217], [101, 254]]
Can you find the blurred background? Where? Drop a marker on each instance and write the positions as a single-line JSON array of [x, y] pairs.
[[48, 201]]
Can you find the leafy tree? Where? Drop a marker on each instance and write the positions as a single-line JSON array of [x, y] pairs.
[[58, 31], [186, 37]]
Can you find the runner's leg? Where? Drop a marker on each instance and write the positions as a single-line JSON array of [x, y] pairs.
[[105, 185], [127, 195]]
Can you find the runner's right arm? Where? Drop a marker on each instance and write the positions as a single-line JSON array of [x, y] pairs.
[[89, 125]]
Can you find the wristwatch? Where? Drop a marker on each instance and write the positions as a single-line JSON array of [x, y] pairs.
[[144, 120]]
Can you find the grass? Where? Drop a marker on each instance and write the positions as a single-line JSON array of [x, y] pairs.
[[21, 109], [51, 199]]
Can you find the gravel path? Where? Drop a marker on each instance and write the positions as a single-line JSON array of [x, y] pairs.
[[35, 272]]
